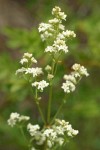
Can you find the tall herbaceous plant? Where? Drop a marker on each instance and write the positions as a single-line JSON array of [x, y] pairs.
[[54, 133]]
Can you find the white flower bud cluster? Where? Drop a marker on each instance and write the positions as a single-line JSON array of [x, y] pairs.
[[52, 135], [50, 76], [48, 68], [27, 57], [57, 12], [73, 78], [40, 85], [16, 118]]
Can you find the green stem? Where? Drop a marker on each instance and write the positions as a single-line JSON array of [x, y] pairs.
[[56, 64], [23, 134], [59, 109], [45, 145], [50, 95], [41, 113], [49, 104], [39, 108], [37, 103], [54, 69]]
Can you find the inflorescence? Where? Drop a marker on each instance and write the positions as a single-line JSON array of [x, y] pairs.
[[59, 130]]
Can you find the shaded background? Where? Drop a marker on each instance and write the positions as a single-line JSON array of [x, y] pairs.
[[19, 21]]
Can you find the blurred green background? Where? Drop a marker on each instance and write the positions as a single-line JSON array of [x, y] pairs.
[[19, 21]]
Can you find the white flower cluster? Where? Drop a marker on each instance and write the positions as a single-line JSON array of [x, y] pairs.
[[29, 59], [34, 71], [52, 135], [73, 78], [66, 127], [16, 118], [79, 70], [68, 86], [40, 85], [66, 34], [49, 29], [59, 45], [55, 29]]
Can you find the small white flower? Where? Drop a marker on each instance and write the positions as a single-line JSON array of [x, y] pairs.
[[54, 21], [23, 118], [35, 84], [80, 69], [13, 119], [68, 87], [61, 27], [70, 78], [44, 27], [71, 131], [62, 122], [24, 60], [48, 68], [40, 85], [60, 45], [41, 138], [21, 70], [46, 35], [56, 10], [66, 127], [76, 67], [60, 141], [33, 60], [46, 30], [60, 36], [50, 49], [75, 132], [59, 130], [49, 143], [33, 129], [69, 33], [76, 74], [50, 76], [62, 15], [83, 71], [50, 133], [34, 71], [27, 55]]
